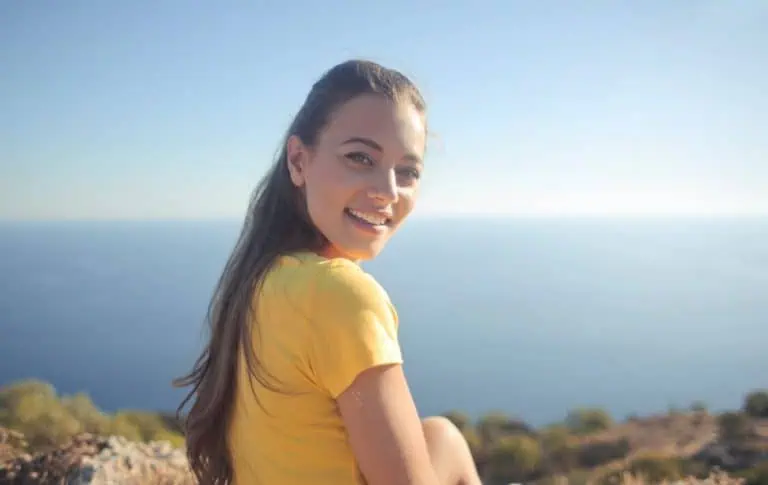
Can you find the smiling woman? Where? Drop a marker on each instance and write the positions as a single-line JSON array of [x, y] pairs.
[[302, 380], [369, 180]]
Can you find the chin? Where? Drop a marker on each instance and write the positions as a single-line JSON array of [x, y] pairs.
[[361, 252], [364, 254]]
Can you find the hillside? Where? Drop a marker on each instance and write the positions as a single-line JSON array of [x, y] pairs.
[[66, 439], [88, 459]]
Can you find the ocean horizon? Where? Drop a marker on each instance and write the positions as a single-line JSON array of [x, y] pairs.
[[527, 316]]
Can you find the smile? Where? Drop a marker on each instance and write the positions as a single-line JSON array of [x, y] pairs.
[[373, 219]]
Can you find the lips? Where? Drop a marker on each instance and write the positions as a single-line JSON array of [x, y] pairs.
[[372, 218]]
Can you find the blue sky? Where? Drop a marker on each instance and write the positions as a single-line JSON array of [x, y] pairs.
[[140, 109]]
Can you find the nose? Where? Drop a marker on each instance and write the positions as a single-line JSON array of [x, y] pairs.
[[384, 187]]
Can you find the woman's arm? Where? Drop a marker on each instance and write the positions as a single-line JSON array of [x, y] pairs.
[[385, 430]]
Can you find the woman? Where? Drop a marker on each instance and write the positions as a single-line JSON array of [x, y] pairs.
[[301, 381]]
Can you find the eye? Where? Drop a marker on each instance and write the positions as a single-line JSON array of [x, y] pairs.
[[360, 157], [411, 173]]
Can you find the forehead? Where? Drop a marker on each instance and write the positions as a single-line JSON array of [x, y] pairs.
[[396, 126]]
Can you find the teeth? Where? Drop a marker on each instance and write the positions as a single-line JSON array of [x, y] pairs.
[[372, 219]]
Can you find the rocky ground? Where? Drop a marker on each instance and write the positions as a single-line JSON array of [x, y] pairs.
[[93, 460]]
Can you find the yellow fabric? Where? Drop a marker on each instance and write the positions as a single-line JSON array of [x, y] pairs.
[[320, 322]]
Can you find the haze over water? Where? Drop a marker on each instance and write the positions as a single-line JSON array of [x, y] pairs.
[[529, 316]]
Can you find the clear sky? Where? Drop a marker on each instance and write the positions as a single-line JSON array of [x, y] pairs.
[[174, 109]]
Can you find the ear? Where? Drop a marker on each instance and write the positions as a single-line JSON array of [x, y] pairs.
[[297, 156]]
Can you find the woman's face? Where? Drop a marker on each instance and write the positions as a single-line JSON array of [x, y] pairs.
[[361, 179]]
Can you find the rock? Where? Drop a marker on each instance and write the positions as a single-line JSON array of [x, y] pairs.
[[92, 460], [54, 466]]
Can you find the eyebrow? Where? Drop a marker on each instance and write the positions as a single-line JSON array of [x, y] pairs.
[[372, 144]]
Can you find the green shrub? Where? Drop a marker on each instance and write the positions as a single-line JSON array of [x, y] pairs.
[[122, 425], [656, 469], [651, 469], [473, 440], [33, 408], [147, 424], [698, 407], [495, 425], [514, 459], [585, 421], [756, 404], [172, 422], [695, 468], [92, 420], [734, 426], [757, 475], [175, 439], [459, 419], [595, 454], [559, 451]]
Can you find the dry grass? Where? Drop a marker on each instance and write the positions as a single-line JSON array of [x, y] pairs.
[[675, 434], [716, 478], [761, 428]]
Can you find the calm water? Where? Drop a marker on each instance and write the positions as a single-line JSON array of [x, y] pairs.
[[532, 317]]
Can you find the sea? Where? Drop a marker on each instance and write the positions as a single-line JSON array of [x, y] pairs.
[[531, 317]]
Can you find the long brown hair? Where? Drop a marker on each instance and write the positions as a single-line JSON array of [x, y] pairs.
[[277, 223]]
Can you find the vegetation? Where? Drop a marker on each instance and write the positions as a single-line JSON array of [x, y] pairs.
[[755, 476], [756, 404], [734, 426], [47, 420], [588, 446], [588, 421]]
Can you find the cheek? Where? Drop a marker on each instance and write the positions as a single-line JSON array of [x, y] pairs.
[[324, 196], [407, 201]]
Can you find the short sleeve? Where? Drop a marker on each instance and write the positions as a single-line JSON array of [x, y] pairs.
[[353, 327]]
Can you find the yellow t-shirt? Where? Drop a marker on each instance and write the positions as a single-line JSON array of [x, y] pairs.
[[320, 322]]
